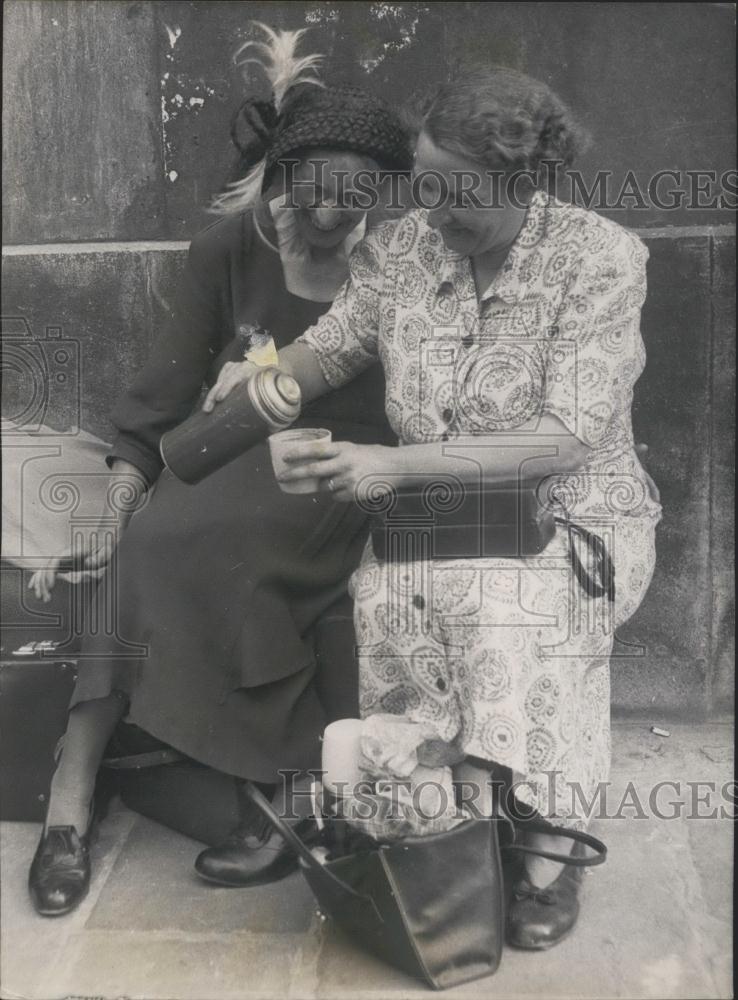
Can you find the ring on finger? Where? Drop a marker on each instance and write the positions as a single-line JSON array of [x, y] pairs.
[[332, 485]]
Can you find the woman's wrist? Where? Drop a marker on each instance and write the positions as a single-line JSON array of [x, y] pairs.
[[393, 463]]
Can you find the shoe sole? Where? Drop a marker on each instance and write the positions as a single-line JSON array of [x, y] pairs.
[[243, 885]]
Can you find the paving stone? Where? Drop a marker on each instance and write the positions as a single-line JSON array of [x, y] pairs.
[[153, 887], [32, 948], [656, 919], [160, 967]]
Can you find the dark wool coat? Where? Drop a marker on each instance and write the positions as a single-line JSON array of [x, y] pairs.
[[232, 586]]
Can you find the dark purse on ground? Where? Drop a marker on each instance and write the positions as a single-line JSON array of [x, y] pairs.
[[432, 906]]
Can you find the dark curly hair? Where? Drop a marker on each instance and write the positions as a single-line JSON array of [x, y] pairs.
[[504, 120]]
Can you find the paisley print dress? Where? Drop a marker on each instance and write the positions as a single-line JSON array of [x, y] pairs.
[[507, 658]]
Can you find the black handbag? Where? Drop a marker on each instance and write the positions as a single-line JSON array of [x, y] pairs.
[[447, 519], [432, 906]]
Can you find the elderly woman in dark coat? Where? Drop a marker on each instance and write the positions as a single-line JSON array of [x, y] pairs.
[[224, 583]]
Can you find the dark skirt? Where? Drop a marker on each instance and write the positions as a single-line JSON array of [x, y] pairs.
[[233, 636]]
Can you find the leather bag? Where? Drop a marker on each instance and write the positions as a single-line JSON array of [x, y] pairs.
[[432, 906], [447, 519]]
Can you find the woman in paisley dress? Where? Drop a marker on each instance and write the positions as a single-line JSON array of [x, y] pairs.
[[508, 328]]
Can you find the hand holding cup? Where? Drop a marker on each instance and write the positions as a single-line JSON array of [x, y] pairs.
[[293, 450]]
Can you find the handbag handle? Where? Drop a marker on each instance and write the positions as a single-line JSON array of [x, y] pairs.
[[578, 836], [301, 850], [603, 562]]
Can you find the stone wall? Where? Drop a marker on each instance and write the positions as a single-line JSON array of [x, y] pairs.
[[116, 137]]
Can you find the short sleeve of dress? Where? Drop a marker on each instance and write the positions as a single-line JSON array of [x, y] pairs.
[[598, 354], [345, 339]]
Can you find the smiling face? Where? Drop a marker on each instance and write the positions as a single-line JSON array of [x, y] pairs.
[[322, 194], [467, 229]]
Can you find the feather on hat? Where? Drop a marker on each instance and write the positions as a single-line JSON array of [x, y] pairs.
[[304, 113], [284, 70]]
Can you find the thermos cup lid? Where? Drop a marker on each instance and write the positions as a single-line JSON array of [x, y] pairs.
[[277, 395], [288, 388]]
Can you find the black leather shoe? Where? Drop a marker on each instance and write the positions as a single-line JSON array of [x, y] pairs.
[[252, 856], [60, 871], [539, 918]]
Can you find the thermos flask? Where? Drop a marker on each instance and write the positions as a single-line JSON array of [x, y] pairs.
[[270, 401]]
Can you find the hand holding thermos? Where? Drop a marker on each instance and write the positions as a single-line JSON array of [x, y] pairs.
[[237, 414], [248, 403]]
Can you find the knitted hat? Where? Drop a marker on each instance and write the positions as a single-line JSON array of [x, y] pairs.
[[304, 113], [346, 118]]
